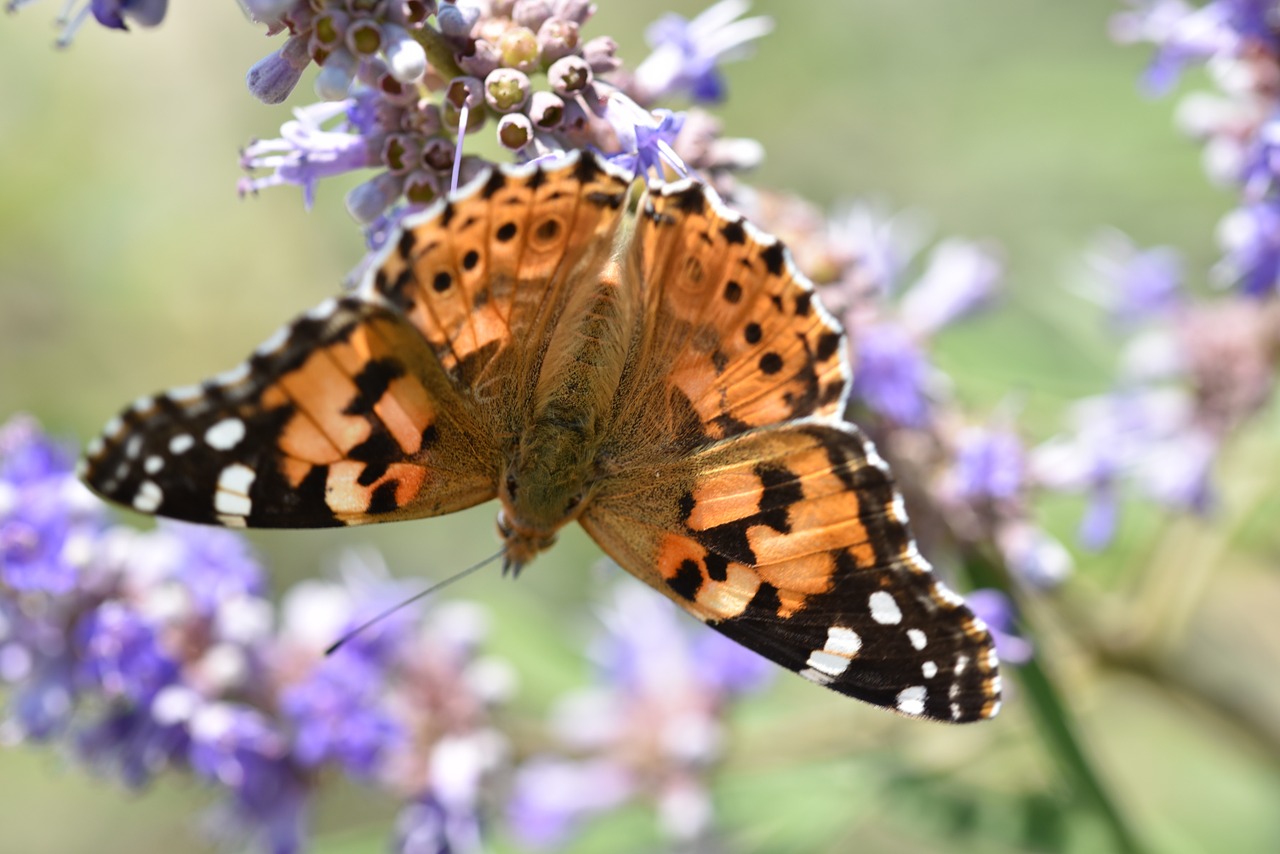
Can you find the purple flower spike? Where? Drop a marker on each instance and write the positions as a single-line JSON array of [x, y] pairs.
[[892, 375], [48, 520], [1135, 284], [336, 716], [990, 465], [686, 54]]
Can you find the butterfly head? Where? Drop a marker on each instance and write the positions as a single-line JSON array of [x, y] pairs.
[[547, 483]]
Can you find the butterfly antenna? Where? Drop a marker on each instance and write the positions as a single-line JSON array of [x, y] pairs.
[[340, 642]]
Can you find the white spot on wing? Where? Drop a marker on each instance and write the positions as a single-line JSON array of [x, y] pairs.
[[181, 443], [911, 700], [232, 497], [815, 676], [133, 447], [113, 427], [275, 342], [95, 446], [961, 663], [884, 609], [229, 503], [236, 478], [873, 456], [153, 464], [929, 669], [828, 663], [955, 711], [233, 376], [918, 638], [843, 641], [899, 510], [148, 497], [225, 435], [946, 595], [143, 403], [185, 393]]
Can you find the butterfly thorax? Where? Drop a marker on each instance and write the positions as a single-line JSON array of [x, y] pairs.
[[546, 485]]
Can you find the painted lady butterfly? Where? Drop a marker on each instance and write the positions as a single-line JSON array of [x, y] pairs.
[[658, 371]]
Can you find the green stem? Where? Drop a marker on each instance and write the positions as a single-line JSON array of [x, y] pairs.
[[1057, 724]]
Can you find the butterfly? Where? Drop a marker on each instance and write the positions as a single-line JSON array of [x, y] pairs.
[[645, 362]]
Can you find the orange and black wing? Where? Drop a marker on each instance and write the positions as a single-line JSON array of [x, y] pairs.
[[793, 541], [344, 417]]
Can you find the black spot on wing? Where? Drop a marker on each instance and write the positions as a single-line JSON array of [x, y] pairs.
[[734, 232], [372, 383], [774, 257], [687, 580], [495, 182], [383, 499]]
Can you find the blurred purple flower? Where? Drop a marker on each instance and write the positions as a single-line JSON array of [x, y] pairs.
[[1134, 284], [651, 729], [990, 465], [686, 54], [336, 716], [47, 518], [1184, 34], [995, 609], [427, 826], [120, 655], [1144, 435], [1250, 239], [550, 797], [892, 374], [238, 748], [960, 277], [1035, 557]]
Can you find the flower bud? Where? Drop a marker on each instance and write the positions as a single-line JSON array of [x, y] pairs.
[[515, 131], [569, 74], [546, 110], [506, 90], [557, 38]]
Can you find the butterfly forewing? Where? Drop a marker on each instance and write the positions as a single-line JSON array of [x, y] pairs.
[[343, 417], [793, 541], [734, 328], [486, 275]]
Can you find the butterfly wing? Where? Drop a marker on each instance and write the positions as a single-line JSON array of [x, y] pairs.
[[735, 333], [793, 541], [345, 416], [487, 275]]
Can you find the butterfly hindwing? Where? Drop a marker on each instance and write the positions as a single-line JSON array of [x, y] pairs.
[[793, 541], [343, 417]]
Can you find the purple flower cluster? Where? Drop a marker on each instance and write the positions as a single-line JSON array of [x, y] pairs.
[[652, 730], [154, 651], [1191, 372], [1238, 44], [522, 65]]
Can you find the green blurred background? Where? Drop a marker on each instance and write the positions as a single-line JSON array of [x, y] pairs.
[[128, 264]]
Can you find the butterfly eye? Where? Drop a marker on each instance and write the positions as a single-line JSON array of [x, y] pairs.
[[511, 486]]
